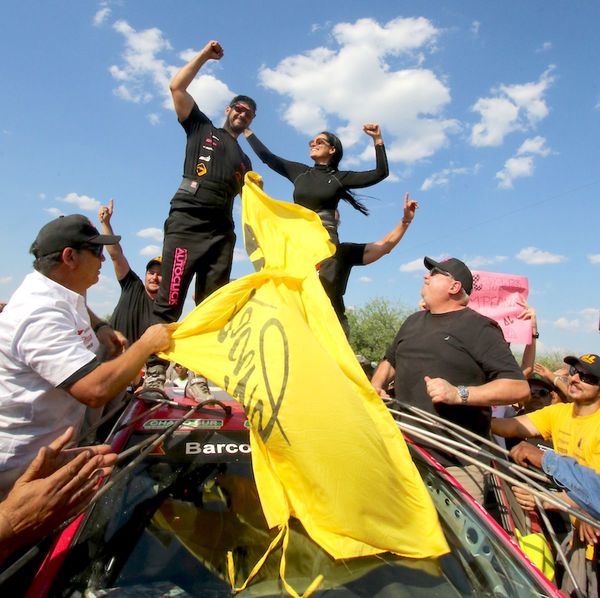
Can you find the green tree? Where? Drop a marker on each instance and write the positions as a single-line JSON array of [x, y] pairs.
[[374, 325]]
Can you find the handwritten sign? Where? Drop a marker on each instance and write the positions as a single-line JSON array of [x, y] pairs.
[[496, 296]]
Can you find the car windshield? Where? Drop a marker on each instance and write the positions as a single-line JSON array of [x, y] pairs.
[[168, 528]]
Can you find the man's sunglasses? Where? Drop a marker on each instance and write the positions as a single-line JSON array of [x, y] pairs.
[[241, 109], [584, 377], [435, 271], [92, 248], [540, 392]]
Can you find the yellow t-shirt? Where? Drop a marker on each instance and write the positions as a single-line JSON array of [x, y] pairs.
[[575, 436]]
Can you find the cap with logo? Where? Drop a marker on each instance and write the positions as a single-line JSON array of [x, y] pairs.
[[69, 231], [457, 269], [589, 364], [153, 262]]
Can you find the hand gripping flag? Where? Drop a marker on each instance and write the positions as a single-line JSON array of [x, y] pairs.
[[323, 443]]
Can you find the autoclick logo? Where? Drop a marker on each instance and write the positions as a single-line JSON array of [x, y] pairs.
[[221, 448], [179, 262]]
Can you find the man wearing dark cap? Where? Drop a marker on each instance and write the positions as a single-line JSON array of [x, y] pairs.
[[452, 361], [199, 238], [133, 313], [49, 369], [574, 429]]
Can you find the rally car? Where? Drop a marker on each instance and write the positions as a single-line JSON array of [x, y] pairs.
[[185, 519]]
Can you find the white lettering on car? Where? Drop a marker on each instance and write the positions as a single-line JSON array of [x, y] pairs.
[[196, 448]]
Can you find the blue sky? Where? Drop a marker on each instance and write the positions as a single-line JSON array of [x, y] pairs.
[[490, 112]]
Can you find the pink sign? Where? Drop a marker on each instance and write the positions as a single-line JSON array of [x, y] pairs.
[[496, 296]]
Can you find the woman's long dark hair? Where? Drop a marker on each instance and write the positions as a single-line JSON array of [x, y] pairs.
[[336, 158]]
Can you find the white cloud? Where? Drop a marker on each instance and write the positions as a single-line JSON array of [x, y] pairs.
[[101, 16], [42, 196], [584, 320], [522, 164], [536, 257], [150, 233], [414, 266], [373, 73], [475, 27], [153, 118], [143, 74], [442, 178], [534, 145], [54, 212], [566, 324], [83, 202], [5, 279], [594, 258], [479, 261], [545, 47], [365, 279], [239, 255], [151, 250], [512, 108]]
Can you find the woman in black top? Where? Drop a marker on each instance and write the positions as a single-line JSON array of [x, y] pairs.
[[321, 186]]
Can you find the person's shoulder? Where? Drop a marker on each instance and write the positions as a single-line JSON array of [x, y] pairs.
[[196, 116]]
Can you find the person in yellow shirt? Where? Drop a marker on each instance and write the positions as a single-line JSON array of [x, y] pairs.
[[574, 429]]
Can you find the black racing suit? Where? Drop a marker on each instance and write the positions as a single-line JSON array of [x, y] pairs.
[[319, 187], [199, 237]]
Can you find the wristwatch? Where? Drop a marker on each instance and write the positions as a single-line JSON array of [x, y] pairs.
[[463, 393]]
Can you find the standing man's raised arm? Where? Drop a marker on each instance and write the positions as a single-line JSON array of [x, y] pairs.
[[120, 263], [182, 100], [377, 249]]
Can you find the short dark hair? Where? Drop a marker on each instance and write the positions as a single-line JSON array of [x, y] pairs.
[[247, 99], [44, 264]]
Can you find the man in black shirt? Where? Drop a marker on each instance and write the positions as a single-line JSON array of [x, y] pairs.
[[199, 237], [334, 272], [452, 361], [133, 312]]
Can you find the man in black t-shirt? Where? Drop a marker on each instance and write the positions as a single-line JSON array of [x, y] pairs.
[[133, 313], [449, 360], [199, 237], [334, 272]]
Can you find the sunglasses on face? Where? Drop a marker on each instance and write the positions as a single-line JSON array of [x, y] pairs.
[[584, 377], [93, 248], [241, 109], [318, 141], [435, 271]]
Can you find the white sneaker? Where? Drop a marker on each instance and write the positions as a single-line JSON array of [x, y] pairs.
[[197, 389]]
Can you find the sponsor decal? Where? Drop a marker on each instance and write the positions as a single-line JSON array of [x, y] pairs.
[[179, 262], [189, 424], [589, 358], [220, 448], [201, 168]]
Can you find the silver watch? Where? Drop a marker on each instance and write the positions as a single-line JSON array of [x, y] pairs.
[[463, 393]]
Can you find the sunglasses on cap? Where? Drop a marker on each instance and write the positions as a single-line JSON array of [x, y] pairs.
[[318, 141], [92, 248], [241, 109], [540, 392], [584, 377]]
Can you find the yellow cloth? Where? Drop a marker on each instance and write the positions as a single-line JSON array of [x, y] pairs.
[[536, 547], [575, 436], [323, 443]]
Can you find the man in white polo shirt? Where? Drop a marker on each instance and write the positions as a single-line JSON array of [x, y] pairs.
[[49, 371]]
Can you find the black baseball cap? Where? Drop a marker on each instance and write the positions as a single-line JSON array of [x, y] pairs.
[[589, 363], [153, 262], [457, 269], [69, 231]]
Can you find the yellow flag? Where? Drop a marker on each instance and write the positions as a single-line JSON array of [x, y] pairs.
[[324, 447]]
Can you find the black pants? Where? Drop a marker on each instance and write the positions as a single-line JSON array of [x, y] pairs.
[[197, 241]]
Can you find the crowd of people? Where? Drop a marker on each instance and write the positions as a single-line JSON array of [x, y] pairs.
[[60, 365]]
